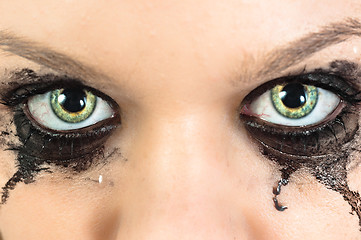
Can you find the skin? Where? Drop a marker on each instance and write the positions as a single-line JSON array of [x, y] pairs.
[[181, 166]]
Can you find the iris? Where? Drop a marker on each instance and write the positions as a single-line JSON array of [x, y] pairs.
[[72, 105], [294, 100]]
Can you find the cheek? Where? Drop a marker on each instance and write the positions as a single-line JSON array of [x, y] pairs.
[[354, 176], [8, 140], [311, 207], [59, 205], [79, 203], [7, 166]]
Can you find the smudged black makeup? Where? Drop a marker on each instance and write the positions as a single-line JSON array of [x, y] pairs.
[[325, 148], [38, 145]]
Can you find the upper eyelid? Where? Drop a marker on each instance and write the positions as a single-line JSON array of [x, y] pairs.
[[350, 95], [44, 83]]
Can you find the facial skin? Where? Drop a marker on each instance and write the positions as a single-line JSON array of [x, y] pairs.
[[181, 165]]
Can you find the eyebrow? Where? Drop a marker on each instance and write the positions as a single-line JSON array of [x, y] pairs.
[[276, 61], [45, 56], [296, 51]]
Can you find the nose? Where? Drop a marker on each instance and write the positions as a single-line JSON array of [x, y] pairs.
[[186, 179]]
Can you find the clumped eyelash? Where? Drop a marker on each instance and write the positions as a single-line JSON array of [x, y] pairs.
[[75, 149], [342, 87], [18, 91], [305, 141], [326, 147]]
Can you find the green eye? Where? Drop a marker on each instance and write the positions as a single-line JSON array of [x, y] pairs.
[[294, 100], [72, 105]]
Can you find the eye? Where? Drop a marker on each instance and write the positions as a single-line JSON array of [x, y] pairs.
[[313, 114], [59, 120], [68, 109], [294, 104]]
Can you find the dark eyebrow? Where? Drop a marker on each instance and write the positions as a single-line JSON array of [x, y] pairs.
[[47, 57], [296, 51]]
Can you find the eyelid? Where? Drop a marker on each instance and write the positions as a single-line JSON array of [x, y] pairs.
[[336, 84], [56, 146], [42, 84], [326, 137]]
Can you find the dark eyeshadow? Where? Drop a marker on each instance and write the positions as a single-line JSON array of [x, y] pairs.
[[325, 150], [38, 146]]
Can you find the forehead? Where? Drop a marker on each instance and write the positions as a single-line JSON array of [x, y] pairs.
[[204, 39]]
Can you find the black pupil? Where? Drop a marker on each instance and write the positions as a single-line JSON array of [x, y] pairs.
[[293, 95], [72, 100]]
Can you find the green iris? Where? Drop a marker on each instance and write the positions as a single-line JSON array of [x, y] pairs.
[[294, 100], [72, 105]]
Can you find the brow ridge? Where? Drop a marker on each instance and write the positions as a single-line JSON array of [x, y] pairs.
[[296, 51], [275, 61], [45, 56]]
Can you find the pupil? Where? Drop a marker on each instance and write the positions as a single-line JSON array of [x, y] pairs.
[[72, 100], [293, 95]]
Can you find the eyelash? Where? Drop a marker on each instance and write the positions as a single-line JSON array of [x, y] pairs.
[[26, 128], [324, 149], [304, 142], [75, 149], [66, 148]]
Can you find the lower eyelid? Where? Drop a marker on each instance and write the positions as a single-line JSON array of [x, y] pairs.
[[59, 147], [302, 142]]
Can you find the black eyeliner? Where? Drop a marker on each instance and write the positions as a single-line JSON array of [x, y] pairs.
[[37, 145], [323, 149], [26, 83]]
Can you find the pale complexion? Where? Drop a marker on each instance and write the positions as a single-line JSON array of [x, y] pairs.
[[181, 166]]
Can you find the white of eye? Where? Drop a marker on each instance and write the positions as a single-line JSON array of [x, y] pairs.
[[263, 108], [40, 109]]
